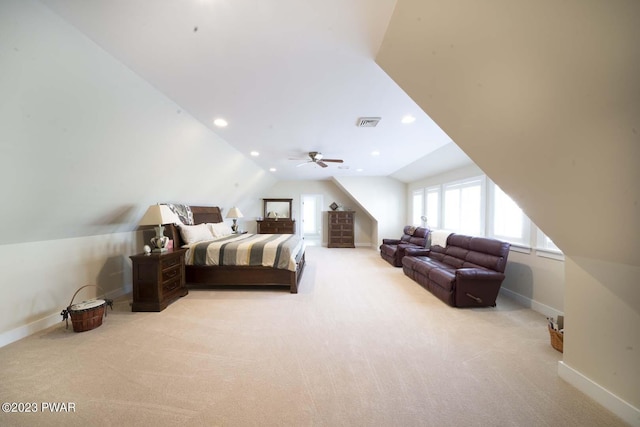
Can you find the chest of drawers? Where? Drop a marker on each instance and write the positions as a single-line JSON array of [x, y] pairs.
[[341, 229]]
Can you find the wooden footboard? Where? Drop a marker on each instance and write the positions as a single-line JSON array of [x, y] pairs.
[[298, 274], [203, 276], [243, 275]]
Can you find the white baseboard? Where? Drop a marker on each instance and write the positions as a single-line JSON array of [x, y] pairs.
[[629, 413], [24, 331], [613, 403], [530, 303]]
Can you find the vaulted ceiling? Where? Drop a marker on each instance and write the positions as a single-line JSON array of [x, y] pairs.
[[289, 77]]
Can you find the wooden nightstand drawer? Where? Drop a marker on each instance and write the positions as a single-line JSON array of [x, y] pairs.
[[172, 272], [170, 262], [171, 285]]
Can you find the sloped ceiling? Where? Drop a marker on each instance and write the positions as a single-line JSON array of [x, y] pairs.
[[289, 76], [545, 98]]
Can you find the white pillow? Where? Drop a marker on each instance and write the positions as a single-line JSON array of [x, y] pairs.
[[195, 233], [220, 229]]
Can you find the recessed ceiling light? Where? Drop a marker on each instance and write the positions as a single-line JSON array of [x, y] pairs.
[[375, 153], [221, 123], [272, 169], [359, 170], [408, 119], [254, 153]]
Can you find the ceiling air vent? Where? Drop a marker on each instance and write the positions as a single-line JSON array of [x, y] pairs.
[[368, 122]]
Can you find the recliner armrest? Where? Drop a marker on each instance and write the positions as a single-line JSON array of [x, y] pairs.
[[478, 274], [477, 287], [417, 251]]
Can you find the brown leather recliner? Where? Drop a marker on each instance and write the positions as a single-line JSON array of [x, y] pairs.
[[393, 250], [468, 272]]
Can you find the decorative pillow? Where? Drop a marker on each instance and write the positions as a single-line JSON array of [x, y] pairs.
[[183, 212], [410, 230], [195, 233], [219, 229]]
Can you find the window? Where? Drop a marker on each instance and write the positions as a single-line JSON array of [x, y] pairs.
[[463, 207], [546, 243], [546, 248], [433, 207], [508, 222], [418, 207]]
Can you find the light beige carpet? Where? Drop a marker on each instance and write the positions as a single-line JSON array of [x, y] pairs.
[[360, 345]]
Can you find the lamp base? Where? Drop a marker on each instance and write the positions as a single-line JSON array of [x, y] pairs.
[[234, 226], [160, 242]]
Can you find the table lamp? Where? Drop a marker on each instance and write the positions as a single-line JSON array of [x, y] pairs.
[[159, 215], [235, 214]]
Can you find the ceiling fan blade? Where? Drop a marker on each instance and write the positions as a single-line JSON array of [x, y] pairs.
[[333, 160], [302, 164], [321, 163]]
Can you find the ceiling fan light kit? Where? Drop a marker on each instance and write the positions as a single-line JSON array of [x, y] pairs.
[[318, 158]]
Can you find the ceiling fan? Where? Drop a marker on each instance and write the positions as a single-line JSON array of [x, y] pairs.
[[317, 158]]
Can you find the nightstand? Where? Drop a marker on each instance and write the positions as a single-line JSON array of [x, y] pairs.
[[158, 279]]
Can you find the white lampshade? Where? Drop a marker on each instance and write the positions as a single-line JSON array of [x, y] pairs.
[[234, 213], [158, 215]]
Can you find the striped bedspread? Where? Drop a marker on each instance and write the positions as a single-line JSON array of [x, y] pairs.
[[280, 251]]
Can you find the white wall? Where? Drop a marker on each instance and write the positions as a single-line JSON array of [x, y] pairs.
[[40, 278], [606, 294], [553, 117], [384, 199], [331, 193], [85, 147], [536, 282]]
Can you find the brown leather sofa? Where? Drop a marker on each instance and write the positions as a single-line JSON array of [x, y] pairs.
[[393, 250], [468, 272]]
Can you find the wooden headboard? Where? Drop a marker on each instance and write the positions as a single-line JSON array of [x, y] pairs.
[[205, 214], [201, 215]]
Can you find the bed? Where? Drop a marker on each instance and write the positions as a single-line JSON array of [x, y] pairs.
[[286, 273]]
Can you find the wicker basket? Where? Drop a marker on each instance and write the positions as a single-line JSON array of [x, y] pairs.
[[88, 314], [557, 339]]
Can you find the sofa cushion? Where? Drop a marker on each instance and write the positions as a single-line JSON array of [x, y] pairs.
[[420, 237], [424, 265], [436, 271], [445, 278], [412, 261], [487, 253]]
